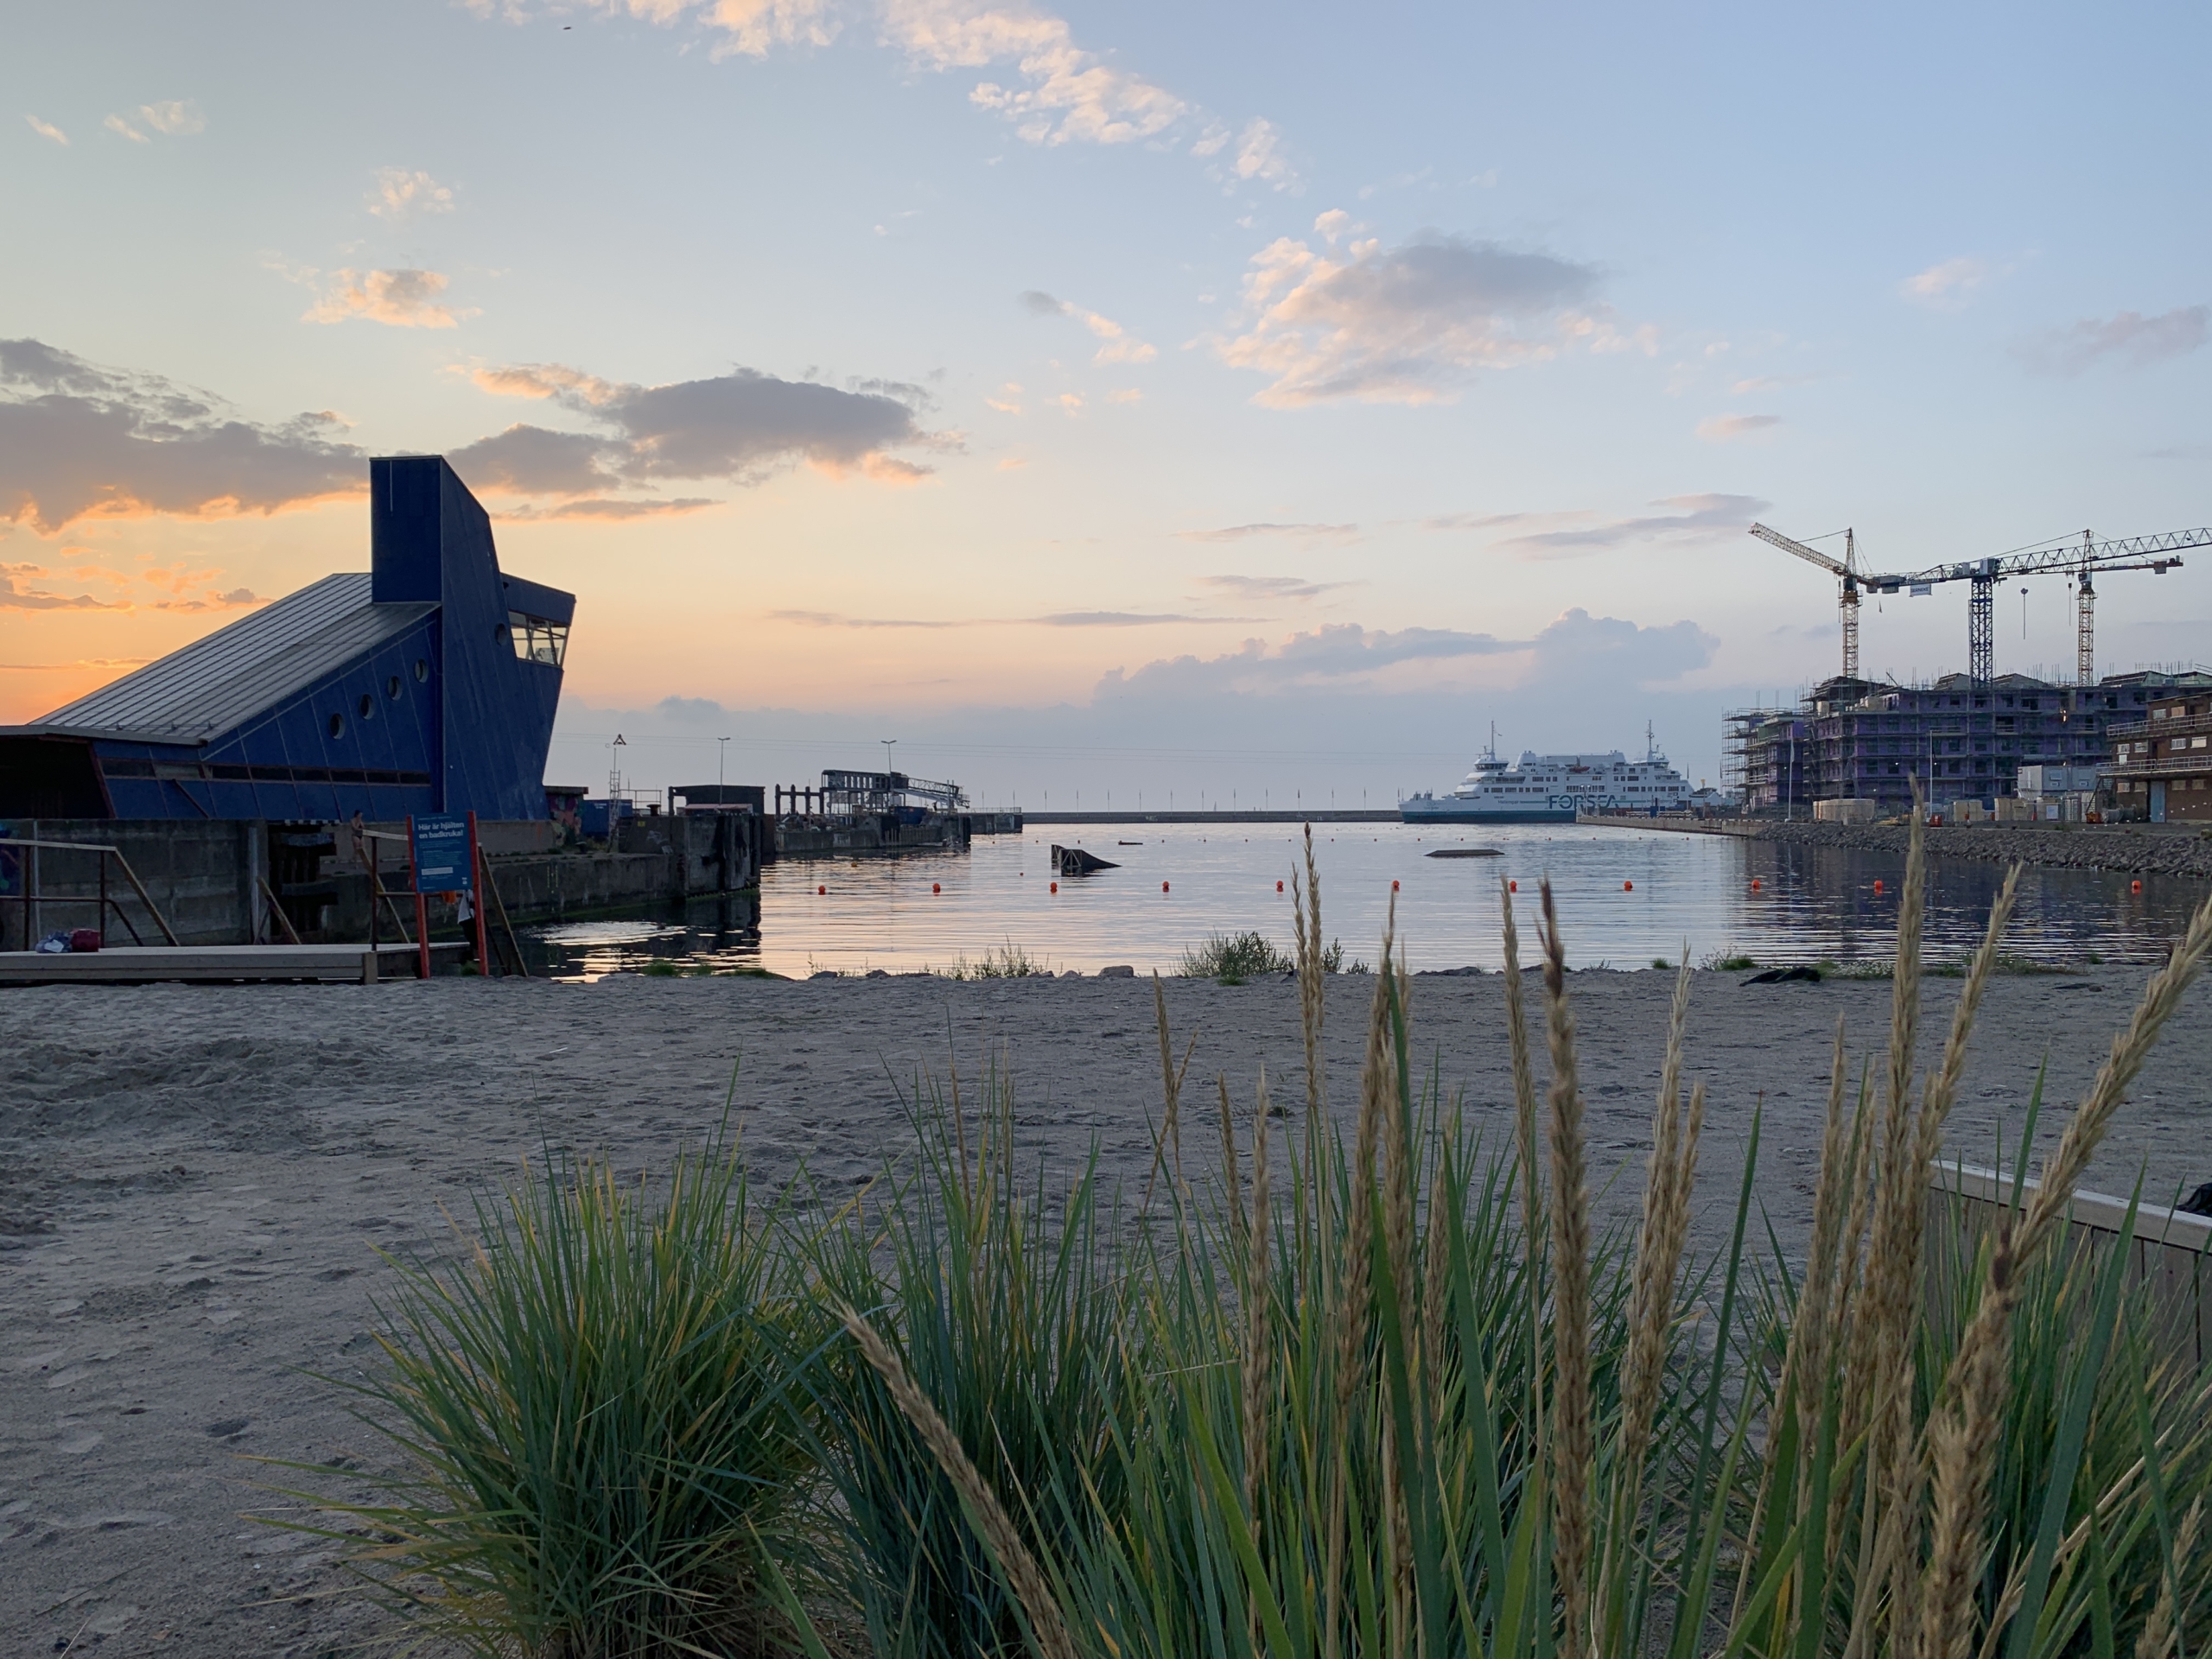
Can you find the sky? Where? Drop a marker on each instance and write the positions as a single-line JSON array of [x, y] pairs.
[[1236, 401]]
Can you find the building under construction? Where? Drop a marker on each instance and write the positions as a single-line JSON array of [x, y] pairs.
[[1870, 740]]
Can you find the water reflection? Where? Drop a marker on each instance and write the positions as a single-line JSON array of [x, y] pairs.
[[1626, 898]]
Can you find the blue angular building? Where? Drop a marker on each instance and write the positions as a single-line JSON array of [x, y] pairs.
[[427, 683]]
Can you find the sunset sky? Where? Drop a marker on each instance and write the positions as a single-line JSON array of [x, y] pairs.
[[1135, 397]]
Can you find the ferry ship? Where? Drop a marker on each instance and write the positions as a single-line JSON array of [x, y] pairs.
[[1552, 788]]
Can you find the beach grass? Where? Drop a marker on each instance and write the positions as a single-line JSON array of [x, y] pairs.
[[1006, 961], [1233, 958], [1320, 1396]]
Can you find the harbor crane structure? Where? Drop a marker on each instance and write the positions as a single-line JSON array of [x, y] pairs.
[[2080, 557], [1845, 571]]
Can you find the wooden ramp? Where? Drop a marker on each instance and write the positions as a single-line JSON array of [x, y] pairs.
[[220, 963]]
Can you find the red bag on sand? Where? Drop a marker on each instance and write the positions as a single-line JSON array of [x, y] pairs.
[[85, 938]]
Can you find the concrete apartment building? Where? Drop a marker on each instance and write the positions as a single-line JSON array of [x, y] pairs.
[[1869, 739], [2162, 766]]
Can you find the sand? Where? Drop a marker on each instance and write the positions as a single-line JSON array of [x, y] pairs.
[[194, 1182]]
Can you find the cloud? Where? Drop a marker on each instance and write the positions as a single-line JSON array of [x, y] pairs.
[[1119, 346], [1344, 657], [1260, 157], [400, 193], [610, 508], [15, 597], [1772, 383], [1069, 96], [1059, 92], [2180, 452], [1687, 519], [48, 130], [117, 125], [1408, 324], [1265, 588], [177, 119], [78, 439], [740, 427], [1946, 285], [2136, 340], [1056, 619], [1728, 428], [1118, 619], [399, 299], [1245, 532]]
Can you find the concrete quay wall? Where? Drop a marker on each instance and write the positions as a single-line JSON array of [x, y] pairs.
[[2127, 849]]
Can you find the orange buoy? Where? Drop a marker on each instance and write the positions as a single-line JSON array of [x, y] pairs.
[[820, 889], [1513, 887], [1163, 886], [1627, 887], [1278, 887], [1755, 884], [1394, 886], [1878, 884], [934, 887], [1056, 887], [2135, 887]]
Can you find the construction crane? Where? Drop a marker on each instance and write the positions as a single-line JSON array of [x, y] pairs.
[[2077, 558], [1845, 570]]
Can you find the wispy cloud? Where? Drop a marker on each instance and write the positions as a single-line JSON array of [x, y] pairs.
[[1947, 283], [1118, 346], [1055, 619], [177, 117], [1261, 589], [178, 588], [398, 299], [1733, 429], [1685, 520], [2131, 339], [1246, 532], [616, 508], [1409, 324], [1260, 158], [1759, 382], [78, 439], [48, 130], [1053, 90], [400, 193], [173, 118]]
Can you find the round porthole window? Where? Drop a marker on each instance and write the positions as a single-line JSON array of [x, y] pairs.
[[391, 688], [338, 725], [366, 707], [422, 668]]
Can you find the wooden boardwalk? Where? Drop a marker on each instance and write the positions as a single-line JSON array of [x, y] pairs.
[[219, 964]]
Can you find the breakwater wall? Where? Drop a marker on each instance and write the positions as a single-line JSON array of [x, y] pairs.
[[1332, 814], [2125, 849], [797, 836]]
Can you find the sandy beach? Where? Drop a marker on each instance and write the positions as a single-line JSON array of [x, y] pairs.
[[194, 1181]]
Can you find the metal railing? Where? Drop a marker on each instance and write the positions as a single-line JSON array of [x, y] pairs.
[[24, 877]]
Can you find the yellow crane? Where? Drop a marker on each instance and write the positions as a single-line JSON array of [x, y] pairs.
[[1845, 570]]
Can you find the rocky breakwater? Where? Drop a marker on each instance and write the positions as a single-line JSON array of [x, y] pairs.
[[2134, 849]]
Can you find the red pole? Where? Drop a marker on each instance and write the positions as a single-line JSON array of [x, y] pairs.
[[422, 909], [476, 898]]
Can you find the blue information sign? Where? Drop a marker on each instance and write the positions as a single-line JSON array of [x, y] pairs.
[[440, 845]]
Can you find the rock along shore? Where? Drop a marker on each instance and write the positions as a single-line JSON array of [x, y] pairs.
[[2136, 850]]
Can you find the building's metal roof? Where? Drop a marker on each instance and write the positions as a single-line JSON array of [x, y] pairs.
[[216, 684]]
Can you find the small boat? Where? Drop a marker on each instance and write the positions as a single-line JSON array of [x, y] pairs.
[[1129, 843], [1467, 852]]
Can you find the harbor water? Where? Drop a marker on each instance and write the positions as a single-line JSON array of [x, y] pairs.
[[1626, 898]]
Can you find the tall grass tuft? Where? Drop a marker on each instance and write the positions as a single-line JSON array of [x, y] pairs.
[[1235, 958], [998, 1305], [596, 1418]]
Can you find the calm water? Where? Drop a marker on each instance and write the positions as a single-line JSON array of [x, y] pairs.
[[1810, 904]]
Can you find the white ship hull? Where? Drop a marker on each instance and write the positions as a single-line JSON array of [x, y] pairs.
[[1553, 789]]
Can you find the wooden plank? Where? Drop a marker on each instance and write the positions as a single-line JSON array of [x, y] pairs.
[[2095, 1210], [213, 963]]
